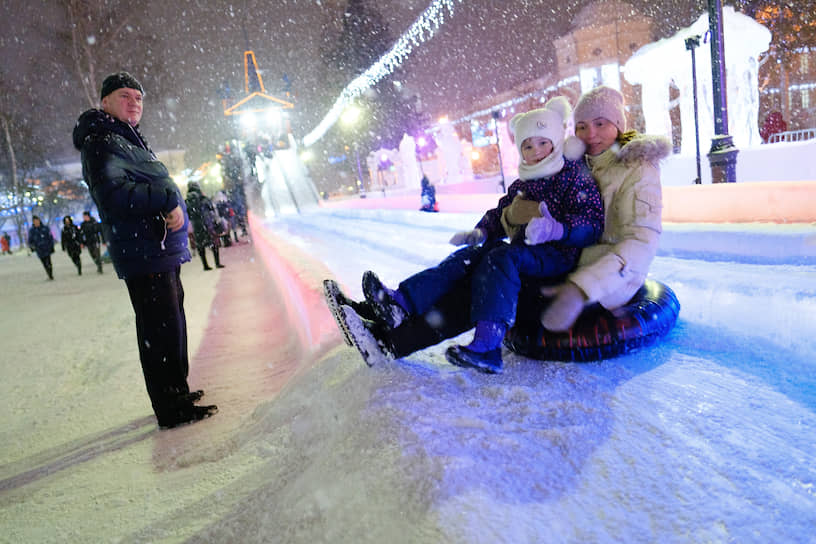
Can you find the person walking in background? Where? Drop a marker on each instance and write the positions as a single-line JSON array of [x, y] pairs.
[[145, 224], [223, 208], [92, 238], [428, 196], [41, 241], [774, 124], [5, 243], [71, 241], [206, 224], [233, 222]]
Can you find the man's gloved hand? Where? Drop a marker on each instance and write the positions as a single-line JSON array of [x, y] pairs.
[[175, 218], [543, 229], [468, 237]]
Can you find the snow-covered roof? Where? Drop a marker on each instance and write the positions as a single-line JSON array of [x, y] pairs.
[[604, 11]]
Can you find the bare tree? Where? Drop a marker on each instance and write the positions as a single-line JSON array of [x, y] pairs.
[[95, 27], [9, 185], [793, 30], [90, 31], [28, 184], [18, 165], [9, 175]]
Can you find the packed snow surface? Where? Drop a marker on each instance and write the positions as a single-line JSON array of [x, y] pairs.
[[706, 437]]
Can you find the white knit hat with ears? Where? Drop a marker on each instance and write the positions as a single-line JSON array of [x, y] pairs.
[[551, 122]]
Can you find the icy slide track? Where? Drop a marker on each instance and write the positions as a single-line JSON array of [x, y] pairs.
[[708, 436]]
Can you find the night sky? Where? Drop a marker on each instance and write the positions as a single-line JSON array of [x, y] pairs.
[[194, 48]]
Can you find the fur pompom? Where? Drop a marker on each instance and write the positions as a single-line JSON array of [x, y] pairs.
[[574, 148]]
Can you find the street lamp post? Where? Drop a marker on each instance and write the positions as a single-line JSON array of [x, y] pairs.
[[360, 187], [420, 144], [349, 118], [495, 116], [723, 155], [692, 44]]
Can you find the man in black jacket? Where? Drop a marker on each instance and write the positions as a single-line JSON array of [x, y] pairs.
[[145, 223]]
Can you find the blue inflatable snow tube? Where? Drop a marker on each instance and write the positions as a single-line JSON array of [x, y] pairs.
[[598, 333]]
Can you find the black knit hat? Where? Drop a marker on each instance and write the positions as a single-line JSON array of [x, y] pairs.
[[120, 80]]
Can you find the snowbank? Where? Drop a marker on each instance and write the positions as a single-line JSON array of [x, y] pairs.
[[774, 202]]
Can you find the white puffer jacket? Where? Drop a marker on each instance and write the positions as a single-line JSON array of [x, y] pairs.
[[612, 270]]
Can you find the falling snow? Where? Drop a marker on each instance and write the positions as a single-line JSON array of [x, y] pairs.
[[706, 437]]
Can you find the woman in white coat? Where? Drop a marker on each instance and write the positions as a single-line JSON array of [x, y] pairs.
[[626, 167]]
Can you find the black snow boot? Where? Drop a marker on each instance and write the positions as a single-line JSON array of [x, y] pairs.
[[335, 298], [183, 413], [192, 396], [362, 335], [382, 300]]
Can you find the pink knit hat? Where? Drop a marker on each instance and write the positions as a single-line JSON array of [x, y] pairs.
[[603, 102]]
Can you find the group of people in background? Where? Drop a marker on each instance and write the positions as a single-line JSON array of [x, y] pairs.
[[74, 237], [211, 226], [87, 234]]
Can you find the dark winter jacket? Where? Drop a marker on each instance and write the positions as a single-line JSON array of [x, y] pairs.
[[133, 192], [203, 217], [572, 198], [223, 208], [91, 232], [41, 241], [71, 239], [428, 196]]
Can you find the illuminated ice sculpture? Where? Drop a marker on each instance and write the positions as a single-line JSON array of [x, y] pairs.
[[409, 169], [657, 65], [455, 168]]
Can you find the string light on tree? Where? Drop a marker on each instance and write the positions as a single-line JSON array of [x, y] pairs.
[[423, 29]]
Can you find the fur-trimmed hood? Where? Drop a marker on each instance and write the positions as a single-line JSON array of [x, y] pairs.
[[644, 147], [638, 148]]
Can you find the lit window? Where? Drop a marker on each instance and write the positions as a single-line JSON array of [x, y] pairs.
[[608, 74], [805, 98]]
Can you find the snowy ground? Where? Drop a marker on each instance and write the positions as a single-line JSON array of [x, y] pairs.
[[706, 437]]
